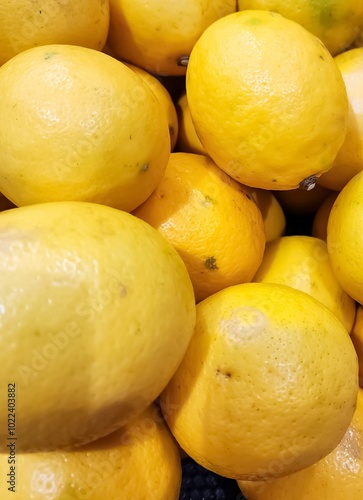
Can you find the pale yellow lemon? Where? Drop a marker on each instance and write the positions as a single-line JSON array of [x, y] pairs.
[[210, 219], [302, 262], [164, 98], [272, 213], [76, 124], [188, 141], [320, 222], [268, 385], [272, 111], [156, 35], [139, 461], [345, 237], [25, 24], [97, 310], [338, 476], [349, 160], [335, 22]]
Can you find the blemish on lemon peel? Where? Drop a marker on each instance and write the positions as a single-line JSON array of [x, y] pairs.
[[223, 373], [144, 168], [49, 55], [208, 201], [211, 263], [244, 324]]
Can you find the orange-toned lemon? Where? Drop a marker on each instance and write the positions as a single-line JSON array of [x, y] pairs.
[[211, 220]]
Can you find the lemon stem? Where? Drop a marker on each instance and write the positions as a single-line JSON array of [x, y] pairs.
[[309, 183], [183, 61]]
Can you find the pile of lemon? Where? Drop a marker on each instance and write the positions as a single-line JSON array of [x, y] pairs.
[[150, 302]]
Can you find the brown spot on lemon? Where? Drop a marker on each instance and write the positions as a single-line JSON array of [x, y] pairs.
[[211, 263], [48, 55], [224, 373], [207, 216]]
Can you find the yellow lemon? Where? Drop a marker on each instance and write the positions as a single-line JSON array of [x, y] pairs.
[[350, 156], [164, 98], [158, 35], [357, 338], [139, 461], [302, 262], [25, 24], [97, 311], [75, 124], [268, 385], [345, 237], [300, 201], [188, 141], [210, 219], [272, 213], [271, 111], [335, 22], [320, 222], [338, 476]]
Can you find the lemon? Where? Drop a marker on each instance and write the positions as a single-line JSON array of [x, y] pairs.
[[345, 237], [335, 22], [139, 461], [349, 160], [188, 141], [272, 213], [320, 222], [157, 35], [338, 476], [211, 220], [164, 98], [25, 24], [357, 339], [302, 262], [97, 311], [75, 124], [268, 385], [271, 111]]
